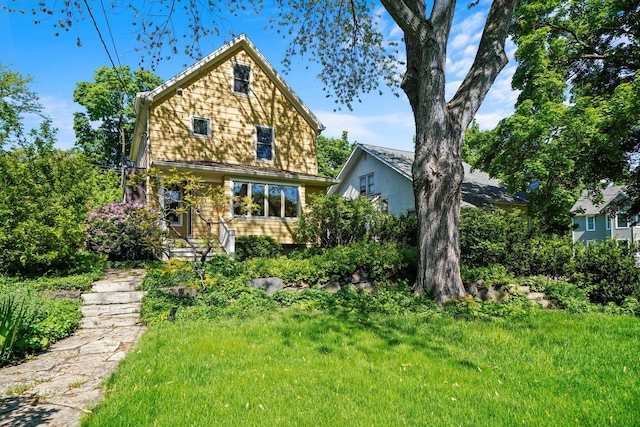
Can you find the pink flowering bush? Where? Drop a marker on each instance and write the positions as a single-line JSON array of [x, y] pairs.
[[124, 232]]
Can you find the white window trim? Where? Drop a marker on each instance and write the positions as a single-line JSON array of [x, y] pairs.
[[587, 218], [607, 221], [180, 221], [255, 143], [199, 135], [618, 227], [233, 79], [367, 177], [266, 216]]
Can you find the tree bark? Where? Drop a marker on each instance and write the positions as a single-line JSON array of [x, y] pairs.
[[440, 127]]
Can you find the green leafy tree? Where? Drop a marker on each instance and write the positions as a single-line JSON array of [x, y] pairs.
[[45, 195], [332, 154], [344, 37], [16, 100], [110, 116], [577, 119]]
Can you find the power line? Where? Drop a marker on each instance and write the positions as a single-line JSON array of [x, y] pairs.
[[113, 42], [104, 45]]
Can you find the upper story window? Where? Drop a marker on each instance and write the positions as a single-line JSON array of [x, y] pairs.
[[241, 78], [367, 184], [591, 223], [201, 126], [622, 220], [264, 143]]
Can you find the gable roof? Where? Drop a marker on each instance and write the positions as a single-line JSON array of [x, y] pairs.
[[586, 206], [241, 42], [478, 188]]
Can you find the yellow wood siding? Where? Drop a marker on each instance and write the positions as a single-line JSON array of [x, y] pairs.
[[233, 119]]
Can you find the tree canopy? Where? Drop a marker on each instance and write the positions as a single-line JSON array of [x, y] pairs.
[[16, 100], [109, 103], [332, 154], [577, 119]]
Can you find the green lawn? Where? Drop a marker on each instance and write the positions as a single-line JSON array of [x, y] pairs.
[[298, 368]]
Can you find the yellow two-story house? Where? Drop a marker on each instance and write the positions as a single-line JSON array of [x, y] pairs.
[[233, 121]]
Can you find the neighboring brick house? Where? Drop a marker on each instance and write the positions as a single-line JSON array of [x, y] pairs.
[[384, 176], [233, 121]]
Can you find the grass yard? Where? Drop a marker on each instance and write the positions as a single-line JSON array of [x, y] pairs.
[[301, 368]]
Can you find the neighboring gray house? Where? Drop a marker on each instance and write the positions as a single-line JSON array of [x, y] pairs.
[[608, 219], [384, 176]]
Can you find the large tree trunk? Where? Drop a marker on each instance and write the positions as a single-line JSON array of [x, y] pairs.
[[437, 169], [440, 127]]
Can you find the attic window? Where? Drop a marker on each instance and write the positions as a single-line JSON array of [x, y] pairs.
[[241, 78], [200, 126], [367, 184]]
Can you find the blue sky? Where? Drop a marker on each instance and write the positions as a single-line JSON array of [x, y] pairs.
[[56, 64]]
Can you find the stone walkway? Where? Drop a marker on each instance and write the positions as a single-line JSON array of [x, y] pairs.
[[58, 386]]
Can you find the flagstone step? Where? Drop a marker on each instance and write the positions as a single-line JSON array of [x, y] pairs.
[[120, 320], [113, 297], [110, 309], [124, 286]]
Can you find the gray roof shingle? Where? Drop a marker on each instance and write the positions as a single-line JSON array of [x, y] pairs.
[[586, 206], [478, 188]]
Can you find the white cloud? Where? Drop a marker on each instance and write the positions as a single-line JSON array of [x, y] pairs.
[[390, 130], [61, 113]]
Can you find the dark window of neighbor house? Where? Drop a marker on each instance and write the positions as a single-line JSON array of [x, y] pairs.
[[172, 204], [200, 126], [264, 143], [622, 220], [367, 184], [241, 78], [268, 200], [591, 223]]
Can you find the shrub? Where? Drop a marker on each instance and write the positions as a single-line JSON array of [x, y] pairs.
[[512, 240], [123, 231], [44, 198], [331, 221], [256, 246], [606, 271]]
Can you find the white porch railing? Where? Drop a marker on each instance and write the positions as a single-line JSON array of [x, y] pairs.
[[226, 236]]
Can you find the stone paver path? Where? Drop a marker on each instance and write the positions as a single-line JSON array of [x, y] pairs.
[[58, 386]]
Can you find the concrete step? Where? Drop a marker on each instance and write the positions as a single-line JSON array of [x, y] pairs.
[[110, 321], [110, 309], [112, 297]]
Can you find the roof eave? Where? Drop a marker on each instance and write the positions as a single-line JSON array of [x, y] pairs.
[[307, 179]]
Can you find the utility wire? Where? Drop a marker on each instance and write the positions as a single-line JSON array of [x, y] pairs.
[[95, 24], [113, 42]]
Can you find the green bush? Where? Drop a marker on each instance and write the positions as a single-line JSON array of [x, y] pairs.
[[513, 241], [606, 271], [331, 221], [256, 247], [45, 195], [124, 232]]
